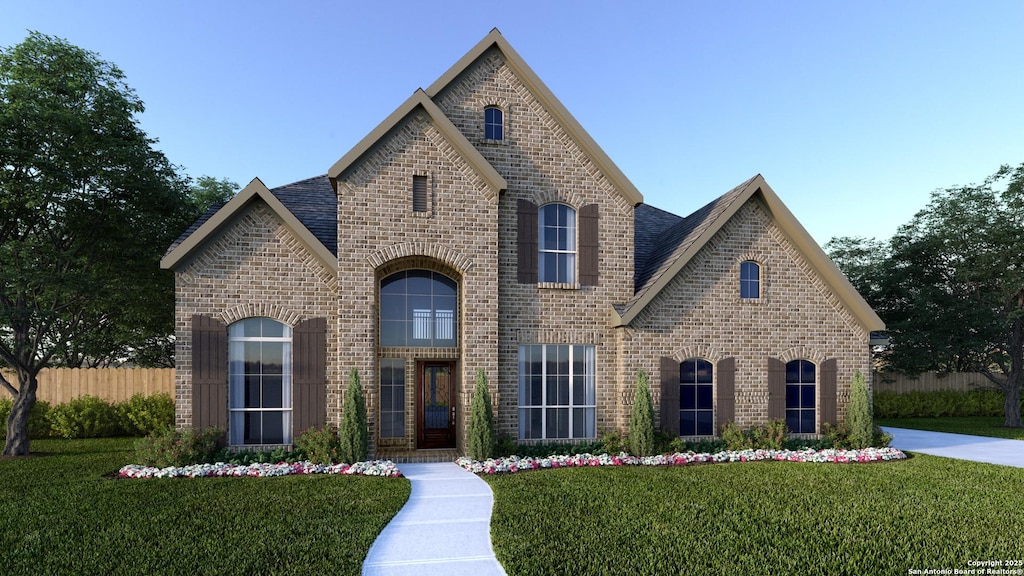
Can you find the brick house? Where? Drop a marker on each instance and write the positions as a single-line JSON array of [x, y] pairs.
[[480, 227]]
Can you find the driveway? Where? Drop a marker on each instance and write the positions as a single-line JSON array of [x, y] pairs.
[[961, 446]]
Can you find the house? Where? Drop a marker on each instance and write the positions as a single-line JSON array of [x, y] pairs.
[[478, 227]]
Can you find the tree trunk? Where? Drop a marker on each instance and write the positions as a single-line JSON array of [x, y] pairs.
[[17, 421], [1012, 406], [1013, 380]]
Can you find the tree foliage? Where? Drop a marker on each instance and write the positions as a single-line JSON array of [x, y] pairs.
[[87, 207], [641, 419], [481, 420], [354, 430]]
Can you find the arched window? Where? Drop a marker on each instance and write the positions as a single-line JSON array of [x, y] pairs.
[[494, 123], [259, 382], [696, 398], [750, 280], [557, 244], [418, 308], [800, 396]]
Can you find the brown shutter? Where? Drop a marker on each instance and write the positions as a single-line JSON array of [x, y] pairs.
[[726, 390], [209, 373], [309, 374], [669, 402], [829, 368], [589, 245], [527, 241], [776, 389]]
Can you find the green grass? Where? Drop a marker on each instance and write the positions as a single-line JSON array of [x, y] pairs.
[[58, 515], [765, 518], [976, 425]]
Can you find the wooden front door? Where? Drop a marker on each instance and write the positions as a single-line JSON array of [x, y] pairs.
[[435, 401]]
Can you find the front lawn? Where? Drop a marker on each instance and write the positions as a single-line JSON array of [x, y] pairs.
[[761, 518], [59, 515], [976, 425]]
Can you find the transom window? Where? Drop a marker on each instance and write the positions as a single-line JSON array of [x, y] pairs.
[[557, 392], [696, 398], [494, 124], [557, 244], [750, 280], [418, 308], [800, 396], [259, 382]]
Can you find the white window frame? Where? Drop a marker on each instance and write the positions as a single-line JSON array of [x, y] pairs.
[[236, 382], [571, 251], [588, 402]]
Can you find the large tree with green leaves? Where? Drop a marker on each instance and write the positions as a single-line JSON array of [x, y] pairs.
[[950, 284], [87, 206]]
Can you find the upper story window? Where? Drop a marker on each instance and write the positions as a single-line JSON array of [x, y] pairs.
[[557, 244], [419, 193], [494, 123], [418, 308], [750, 280], [260, 382]]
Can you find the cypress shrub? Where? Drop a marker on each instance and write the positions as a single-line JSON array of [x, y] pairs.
[[858, 417], [641, 419], [354, 430], [481, 420]]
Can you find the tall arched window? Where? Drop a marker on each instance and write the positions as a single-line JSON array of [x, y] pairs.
[[259, 382], [557, 244], [696, 398], [494, 123], [800, 396], [750, 280], [418, 308]]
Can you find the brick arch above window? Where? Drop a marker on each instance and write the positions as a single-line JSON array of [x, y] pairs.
[[388, 256], [570, 198], [703, 352], [814, 355], [262, 309]]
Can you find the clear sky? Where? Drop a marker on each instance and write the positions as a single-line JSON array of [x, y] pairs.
[[853, 111]]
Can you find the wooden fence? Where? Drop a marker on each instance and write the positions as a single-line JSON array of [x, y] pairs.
[[58, 385], [929, 381]]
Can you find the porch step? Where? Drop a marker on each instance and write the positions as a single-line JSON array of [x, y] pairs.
[[418, 456]]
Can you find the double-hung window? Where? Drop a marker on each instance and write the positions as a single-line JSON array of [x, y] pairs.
[[557, 244], [557, 391], [259, 382]]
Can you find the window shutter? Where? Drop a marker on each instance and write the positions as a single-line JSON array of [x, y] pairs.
[[527, 241], [209, 373], [589, 245], [419, 193], [726, 391], [776, 389], [829, 368], [309, 374], [669, 396]]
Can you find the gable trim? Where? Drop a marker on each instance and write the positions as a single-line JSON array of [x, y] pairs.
[[793, 230], [255, 190], [419, 99], [550, 102]]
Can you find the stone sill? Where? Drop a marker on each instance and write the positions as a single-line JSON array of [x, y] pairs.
[[558, 285]]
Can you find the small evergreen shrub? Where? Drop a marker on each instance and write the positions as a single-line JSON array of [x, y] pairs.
[[735, 438], [481, 420], [771, 436], [859, 413], [170, 447], [939, 403], [320, 445], [244, 457], [641, 419], [141, 414], [613, 442], [38, 424], [85, 417], [354, 431]]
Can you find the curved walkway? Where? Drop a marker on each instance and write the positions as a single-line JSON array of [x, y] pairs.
[[961, 446], [444, 528]]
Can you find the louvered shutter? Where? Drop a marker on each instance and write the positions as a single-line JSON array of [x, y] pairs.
[[309, 374], [209, 373], [589, 245], [526, 239], [669, 403]]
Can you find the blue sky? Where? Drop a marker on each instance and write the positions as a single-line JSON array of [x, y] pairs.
[[853, 111]]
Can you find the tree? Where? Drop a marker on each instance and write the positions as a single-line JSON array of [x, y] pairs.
[[481, 420], [87, 207], [354, 431], [209, 191], [641, 419]]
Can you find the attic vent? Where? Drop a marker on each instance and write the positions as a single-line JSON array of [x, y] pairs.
[[419, 193]]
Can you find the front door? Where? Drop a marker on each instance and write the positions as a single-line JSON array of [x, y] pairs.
[[435, 395]]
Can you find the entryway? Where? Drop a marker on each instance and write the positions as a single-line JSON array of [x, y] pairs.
[[435, 402]]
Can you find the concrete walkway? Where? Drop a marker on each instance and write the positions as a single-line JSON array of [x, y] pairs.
[[444, 528], [961, 446]]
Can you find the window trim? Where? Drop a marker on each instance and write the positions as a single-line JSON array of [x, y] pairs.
[[395, 390], [590, 389], [746, 282], [572, 253], [490, 125], [236, 433]]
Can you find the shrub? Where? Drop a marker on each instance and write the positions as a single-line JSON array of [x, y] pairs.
[[85, 417], [735, 438], [771, 436], [938, 403], [641, 419], [613, 442], [170, 447], [858, 417], [354, 433], [142, 414], [481, 420], [38, 425], [320, 445]]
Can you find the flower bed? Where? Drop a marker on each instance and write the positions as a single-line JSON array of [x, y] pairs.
[[516, 464], [220, 469]]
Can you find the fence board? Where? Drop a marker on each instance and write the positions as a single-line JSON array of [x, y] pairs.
[[57, 385], [929, 381]]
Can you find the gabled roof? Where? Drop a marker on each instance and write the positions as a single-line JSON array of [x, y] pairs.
[[420, 100], [308, 208], [676, 243], [547, 99]]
